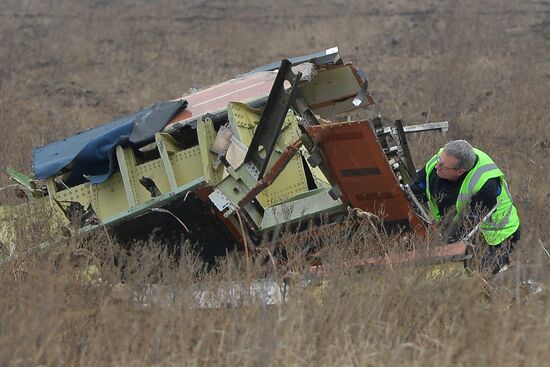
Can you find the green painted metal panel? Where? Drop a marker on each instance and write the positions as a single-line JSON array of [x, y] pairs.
[[301, 208]]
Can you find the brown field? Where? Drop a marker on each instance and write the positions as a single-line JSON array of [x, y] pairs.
[[67, 65]]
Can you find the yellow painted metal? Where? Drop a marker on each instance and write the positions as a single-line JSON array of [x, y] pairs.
[[187, 165], [292, 180], [167, 146], [80, 193], [155, 170], [175, 167], [445, 270], [131, 173], [19, 223], [206, 135], [318, 175], [8, 228], [109, 199], [338, 85], [127, 164]]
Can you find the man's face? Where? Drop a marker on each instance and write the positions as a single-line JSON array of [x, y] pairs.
[[446, 167]]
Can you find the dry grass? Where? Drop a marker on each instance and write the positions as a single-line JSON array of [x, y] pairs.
[[70, 64], [52, 314]]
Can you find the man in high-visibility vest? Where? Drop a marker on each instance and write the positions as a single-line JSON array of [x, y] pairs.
[[460, 184]]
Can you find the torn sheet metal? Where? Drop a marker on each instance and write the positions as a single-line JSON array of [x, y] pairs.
[[292, 181], [328, 56], [330, 96], [359, 167], [333, 91], [246, 158]]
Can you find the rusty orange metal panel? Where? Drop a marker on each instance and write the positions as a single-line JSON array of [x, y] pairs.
[[449, 252], [357, 164]]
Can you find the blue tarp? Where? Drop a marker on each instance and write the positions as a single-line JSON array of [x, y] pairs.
[[91, 153]]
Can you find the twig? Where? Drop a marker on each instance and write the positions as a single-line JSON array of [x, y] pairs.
[[545, 250], [8, 186], [272, 259], [389, 261], [245, 243]]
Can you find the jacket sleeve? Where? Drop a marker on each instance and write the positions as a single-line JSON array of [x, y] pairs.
[[486, 198], [418, 186]]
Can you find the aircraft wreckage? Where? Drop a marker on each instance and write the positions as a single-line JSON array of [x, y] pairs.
[[228, 166]]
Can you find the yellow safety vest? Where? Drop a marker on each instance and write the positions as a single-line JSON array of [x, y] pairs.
[[504, 221]]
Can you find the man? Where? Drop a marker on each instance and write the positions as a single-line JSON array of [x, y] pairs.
[[461, 184]]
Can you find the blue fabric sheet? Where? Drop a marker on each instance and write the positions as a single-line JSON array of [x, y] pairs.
[[91, 153]]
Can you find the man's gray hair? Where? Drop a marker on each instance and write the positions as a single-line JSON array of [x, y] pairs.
[[463, 152]]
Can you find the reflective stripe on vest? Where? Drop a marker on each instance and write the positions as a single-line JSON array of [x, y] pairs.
[[430, 165], [474, 180], [506, 218]]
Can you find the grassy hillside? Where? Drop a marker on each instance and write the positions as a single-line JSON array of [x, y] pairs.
[[68, 65]]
